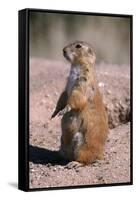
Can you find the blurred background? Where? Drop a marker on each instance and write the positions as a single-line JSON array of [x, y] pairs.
[[50, 32], [110, 37]]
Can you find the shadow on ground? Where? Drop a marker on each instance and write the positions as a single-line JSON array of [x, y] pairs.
[[40, 155]]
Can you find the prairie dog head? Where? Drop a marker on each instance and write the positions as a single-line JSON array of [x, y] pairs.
[[79, 51]]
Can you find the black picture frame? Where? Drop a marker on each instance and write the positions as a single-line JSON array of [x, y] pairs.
[[23, 142]]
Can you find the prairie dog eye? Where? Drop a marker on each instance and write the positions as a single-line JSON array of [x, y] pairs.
[[78, 46]]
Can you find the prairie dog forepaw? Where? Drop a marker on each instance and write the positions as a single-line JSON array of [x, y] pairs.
[[66, 109]]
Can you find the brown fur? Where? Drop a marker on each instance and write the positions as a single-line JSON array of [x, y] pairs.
[[85, 126]]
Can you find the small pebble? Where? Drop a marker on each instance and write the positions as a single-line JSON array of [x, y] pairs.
[[56, 93], [43, 101], [108, 92], [101, 84], [48, 165], [107, 162], [45, 125], [47, 95], [100, 178], [77, 169], [54, 169]]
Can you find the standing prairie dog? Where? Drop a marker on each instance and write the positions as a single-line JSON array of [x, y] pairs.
[[85, 126]]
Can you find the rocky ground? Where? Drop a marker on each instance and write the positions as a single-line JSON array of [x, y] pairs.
[[47, 80]]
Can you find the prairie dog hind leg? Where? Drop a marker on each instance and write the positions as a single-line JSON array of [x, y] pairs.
[[72, 138]]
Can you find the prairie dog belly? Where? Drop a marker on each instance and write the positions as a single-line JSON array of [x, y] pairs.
[[74, 73]]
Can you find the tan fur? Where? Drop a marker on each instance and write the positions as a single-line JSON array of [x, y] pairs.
[[85, 126]]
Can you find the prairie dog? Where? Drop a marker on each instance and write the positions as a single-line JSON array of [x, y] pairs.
[[85, 125]]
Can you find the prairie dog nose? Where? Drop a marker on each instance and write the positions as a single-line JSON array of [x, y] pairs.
[[64, 52]]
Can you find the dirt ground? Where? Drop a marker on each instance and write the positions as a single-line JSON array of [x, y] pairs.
[[47, 80]]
